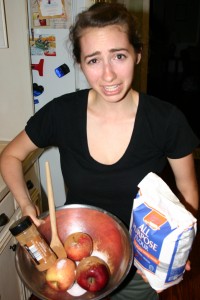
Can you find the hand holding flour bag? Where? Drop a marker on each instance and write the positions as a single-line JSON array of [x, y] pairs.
[[162, 232]]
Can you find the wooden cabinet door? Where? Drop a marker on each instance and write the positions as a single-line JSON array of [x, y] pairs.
[[10, 284]]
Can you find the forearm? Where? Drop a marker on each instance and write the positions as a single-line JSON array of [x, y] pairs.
[[12, 173], [186, 182], [11, 168], [189, 192], [189, 196]]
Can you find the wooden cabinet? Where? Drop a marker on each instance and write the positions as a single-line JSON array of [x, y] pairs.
[[10, 284], [11, 287]]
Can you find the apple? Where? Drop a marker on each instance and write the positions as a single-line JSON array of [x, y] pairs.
[[62, 274], [78, 245], [92, 273]]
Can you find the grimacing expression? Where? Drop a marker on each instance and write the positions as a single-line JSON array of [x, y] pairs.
[[108, 60]]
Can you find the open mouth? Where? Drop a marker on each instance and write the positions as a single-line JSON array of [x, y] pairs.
[[111, 88]]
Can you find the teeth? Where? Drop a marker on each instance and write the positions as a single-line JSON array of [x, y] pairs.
[[111, 88]]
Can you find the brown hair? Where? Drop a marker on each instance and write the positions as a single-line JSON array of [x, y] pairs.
[[100, 15]]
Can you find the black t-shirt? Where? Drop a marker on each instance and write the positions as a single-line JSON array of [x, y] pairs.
[[160, 131]]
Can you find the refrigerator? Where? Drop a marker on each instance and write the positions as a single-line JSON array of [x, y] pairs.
[[53, 70]]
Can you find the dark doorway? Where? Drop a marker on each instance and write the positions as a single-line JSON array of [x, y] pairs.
[[174, 55]]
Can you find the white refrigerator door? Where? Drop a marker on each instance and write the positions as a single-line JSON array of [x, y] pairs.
[[55, 86]]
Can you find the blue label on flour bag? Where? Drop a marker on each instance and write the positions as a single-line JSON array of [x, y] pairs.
[[147, 241], [162, 232], [147, 244]]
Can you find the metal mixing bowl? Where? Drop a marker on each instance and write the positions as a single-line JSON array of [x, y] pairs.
[[109, 235]]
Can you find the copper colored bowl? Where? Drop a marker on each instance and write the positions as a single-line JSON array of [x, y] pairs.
[[109, 235]]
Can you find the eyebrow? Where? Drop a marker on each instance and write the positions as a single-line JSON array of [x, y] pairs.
[[111, 51], [92, 54]]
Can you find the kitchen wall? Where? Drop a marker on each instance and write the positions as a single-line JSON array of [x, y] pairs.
[[16, 104]]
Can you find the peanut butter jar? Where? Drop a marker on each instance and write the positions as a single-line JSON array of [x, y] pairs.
[[26, 233]]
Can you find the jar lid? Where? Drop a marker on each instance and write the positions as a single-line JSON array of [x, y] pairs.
[[20, 225]]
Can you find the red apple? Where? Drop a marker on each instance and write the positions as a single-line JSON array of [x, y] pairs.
[[92, 273], [78, 245], [61, 275]]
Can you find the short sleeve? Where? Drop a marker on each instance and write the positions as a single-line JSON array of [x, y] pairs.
[[41, 127]]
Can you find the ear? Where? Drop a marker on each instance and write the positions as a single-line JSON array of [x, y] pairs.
[[138, 58]]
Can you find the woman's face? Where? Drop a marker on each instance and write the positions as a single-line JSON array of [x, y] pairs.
[[107, 60]]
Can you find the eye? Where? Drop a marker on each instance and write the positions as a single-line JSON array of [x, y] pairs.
[[120, 56], [92, 61]]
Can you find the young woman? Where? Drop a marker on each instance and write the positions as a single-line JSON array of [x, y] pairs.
[[110, 136]]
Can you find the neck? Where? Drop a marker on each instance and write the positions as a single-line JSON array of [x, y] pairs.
[[127, 106]]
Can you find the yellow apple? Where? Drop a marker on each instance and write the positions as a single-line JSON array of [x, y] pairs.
[[61, 275]]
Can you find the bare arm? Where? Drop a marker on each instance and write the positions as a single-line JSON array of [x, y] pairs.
[[186, 182], [12, 172]]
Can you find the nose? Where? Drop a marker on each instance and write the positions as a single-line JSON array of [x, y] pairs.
[[108, 72]]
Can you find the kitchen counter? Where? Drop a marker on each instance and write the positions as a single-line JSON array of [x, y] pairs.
[[32, 157]]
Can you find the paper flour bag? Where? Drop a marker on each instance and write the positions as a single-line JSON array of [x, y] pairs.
[[162, 231]]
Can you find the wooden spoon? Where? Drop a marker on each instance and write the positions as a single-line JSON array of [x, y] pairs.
[[56, 245]]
